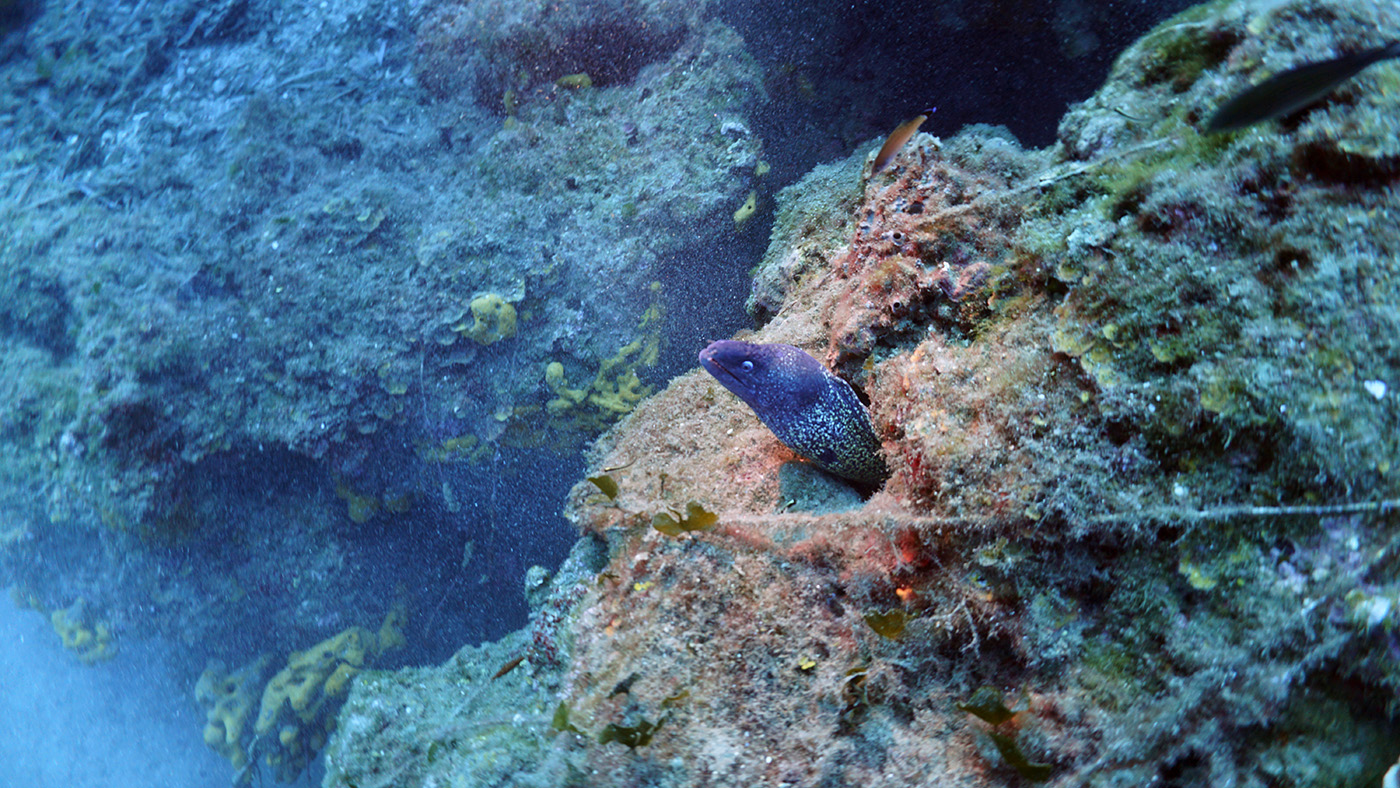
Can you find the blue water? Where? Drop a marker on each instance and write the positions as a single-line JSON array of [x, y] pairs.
[[127, 723], [122, 723]]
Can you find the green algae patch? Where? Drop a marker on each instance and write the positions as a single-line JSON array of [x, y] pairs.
[[633, 736], [986, 704], [606, 484], [1178, 54], [560, 722], [1011, 753], [889, 624], [577, 81], [1197, 577], [696, 518]]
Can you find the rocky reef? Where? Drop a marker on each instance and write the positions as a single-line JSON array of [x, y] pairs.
[[283, 315], [1137, 394], [293, 364]]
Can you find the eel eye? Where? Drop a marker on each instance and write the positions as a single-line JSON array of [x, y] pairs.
[[747, 365]]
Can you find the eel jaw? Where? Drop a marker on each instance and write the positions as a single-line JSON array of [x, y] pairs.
[[726, 378]]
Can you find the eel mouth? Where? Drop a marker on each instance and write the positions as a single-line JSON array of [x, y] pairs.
[[721, 373]]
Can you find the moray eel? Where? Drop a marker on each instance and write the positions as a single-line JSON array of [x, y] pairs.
[[811, 410]]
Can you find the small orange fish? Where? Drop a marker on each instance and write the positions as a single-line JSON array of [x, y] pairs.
[[897, 138], [508, 667]]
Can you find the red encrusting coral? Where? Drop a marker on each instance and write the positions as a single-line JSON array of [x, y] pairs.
[[929, 237]]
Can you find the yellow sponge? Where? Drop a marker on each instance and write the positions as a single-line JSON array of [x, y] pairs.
[[301, 684], [90, 641], [746, 211], [228, 699], [493, 319], [564, 397]]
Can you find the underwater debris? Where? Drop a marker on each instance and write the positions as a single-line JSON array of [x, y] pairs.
[[1294, 89], [896, 140]]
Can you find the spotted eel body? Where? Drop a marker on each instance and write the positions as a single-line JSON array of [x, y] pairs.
[[815, 413]]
